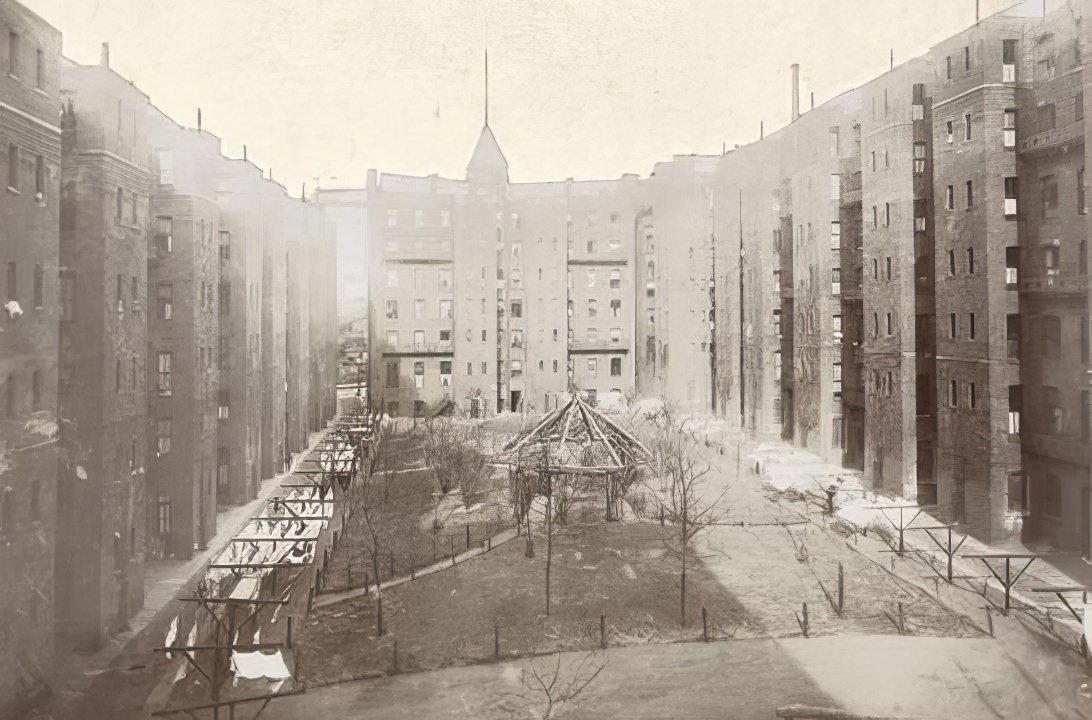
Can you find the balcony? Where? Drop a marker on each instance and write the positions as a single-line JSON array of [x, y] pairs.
[[1051, 139], [422, 349], [606, 345], [1055, 284]]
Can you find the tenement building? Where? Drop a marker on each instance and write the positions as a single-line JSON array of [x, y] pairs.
[[901, 279], [495, 296], [30, 310]]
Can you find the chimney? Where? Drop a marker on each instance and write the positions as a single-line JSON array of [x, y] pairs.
[[761, 129], [795, 91], [813, 101], [198, 119], [104, 56], [244, 153]]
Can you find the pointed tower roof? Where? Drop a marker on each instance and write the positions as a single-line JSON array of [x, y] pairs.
[[487, 163], [487, 153]]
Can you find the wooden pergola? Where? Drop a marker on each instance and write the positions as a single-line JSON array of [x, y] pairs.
[[575, 439]]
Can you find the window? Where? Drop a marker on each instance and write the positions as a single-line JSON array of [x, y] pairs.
[[39, 177], [616, 308], [392, 278], [1008, 61], [952, 326], [392, 339], [1008, 130], [485, 368], [13, 53], [1082, 207], [876, 268], [972, 396], [593, 306], [165, 374], [970, 261], [615, 279], [950, 130], [419, 309], [1012, 265], [919, 158], [616, 367], [419, 374], [887, 269], [418, 339], [517, 309], [970, 326], [445, 337], [966, 57], [949, 198], [951, 262], [13, 167], [593, 335], [445, 278], [555, 365], [890, 327], [1012, 335], [392, 310], [591, 278], [483, 335], [875, 217], [164, 293], [392, 373], [1010, 196], [1049, 67], [591, 246], [616, 335], [1045, 117], [517, 338], [873, 154], [967, 126], [593, 365], [1016, 408], [1050, 259], [887, 214], [164, 232], [875, 324], [948, 67], [970, 193], [953, 394], [39, 278]]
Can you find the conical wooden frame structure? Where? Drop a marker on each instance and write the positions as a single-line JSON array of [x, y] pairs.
[[575, 439]]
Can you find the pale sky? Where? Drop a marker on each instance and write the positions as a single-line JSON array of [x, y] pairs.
[[578, 88]]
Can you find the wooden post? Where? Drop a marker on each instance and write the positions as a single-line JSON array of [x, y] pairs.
[[704, 625], [841, 590], [468, 536], [395, 655], [902, 621], [378, 612], [496, 641], [989, 619], [289, 631], [602, 631], [452, 539]]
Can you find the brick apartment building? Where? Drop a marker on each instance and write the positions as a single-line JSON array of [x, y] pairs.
[[915, 264], [500, 296], [30, 168], [105, 198]]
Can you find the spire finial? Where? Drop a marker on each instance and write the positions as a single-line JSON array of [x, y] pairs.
[[487, 87]]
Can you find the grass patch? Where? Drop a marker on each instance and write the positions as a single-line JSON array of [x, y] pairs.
[[616, 570]]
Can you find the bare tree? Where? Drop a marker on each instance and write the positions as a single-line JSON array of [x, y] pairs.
[[468, 466], [441, 445], [522, 488], [553, 686], [679, 489]]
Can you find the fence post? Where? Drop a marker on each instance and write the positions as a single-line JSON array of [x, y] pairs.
[[468, 536], [902, 621], [704, 625], [841, 590], [989, 619], [396, 655], [496, 641], [603, 631]]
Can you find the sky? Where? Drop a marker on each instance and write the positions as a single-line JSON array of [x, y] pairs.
[[322, 90]]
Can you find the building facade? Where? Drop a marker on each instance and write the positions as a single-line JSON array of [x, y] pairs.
[[30, 165], [938, 340], [495, 296]]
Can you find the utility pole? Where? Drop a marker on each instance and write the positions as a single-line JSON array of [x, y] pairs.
[[742, 402]]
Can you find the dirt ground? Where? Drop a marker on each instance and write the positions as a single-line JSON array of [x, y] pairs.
[[616, 570]]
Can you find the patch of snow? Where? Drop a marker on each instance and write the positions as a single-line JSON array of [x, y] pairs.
[[42, 423], [592, 567], [81, 473], [629, 572], [579, 555], [13, 309]]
